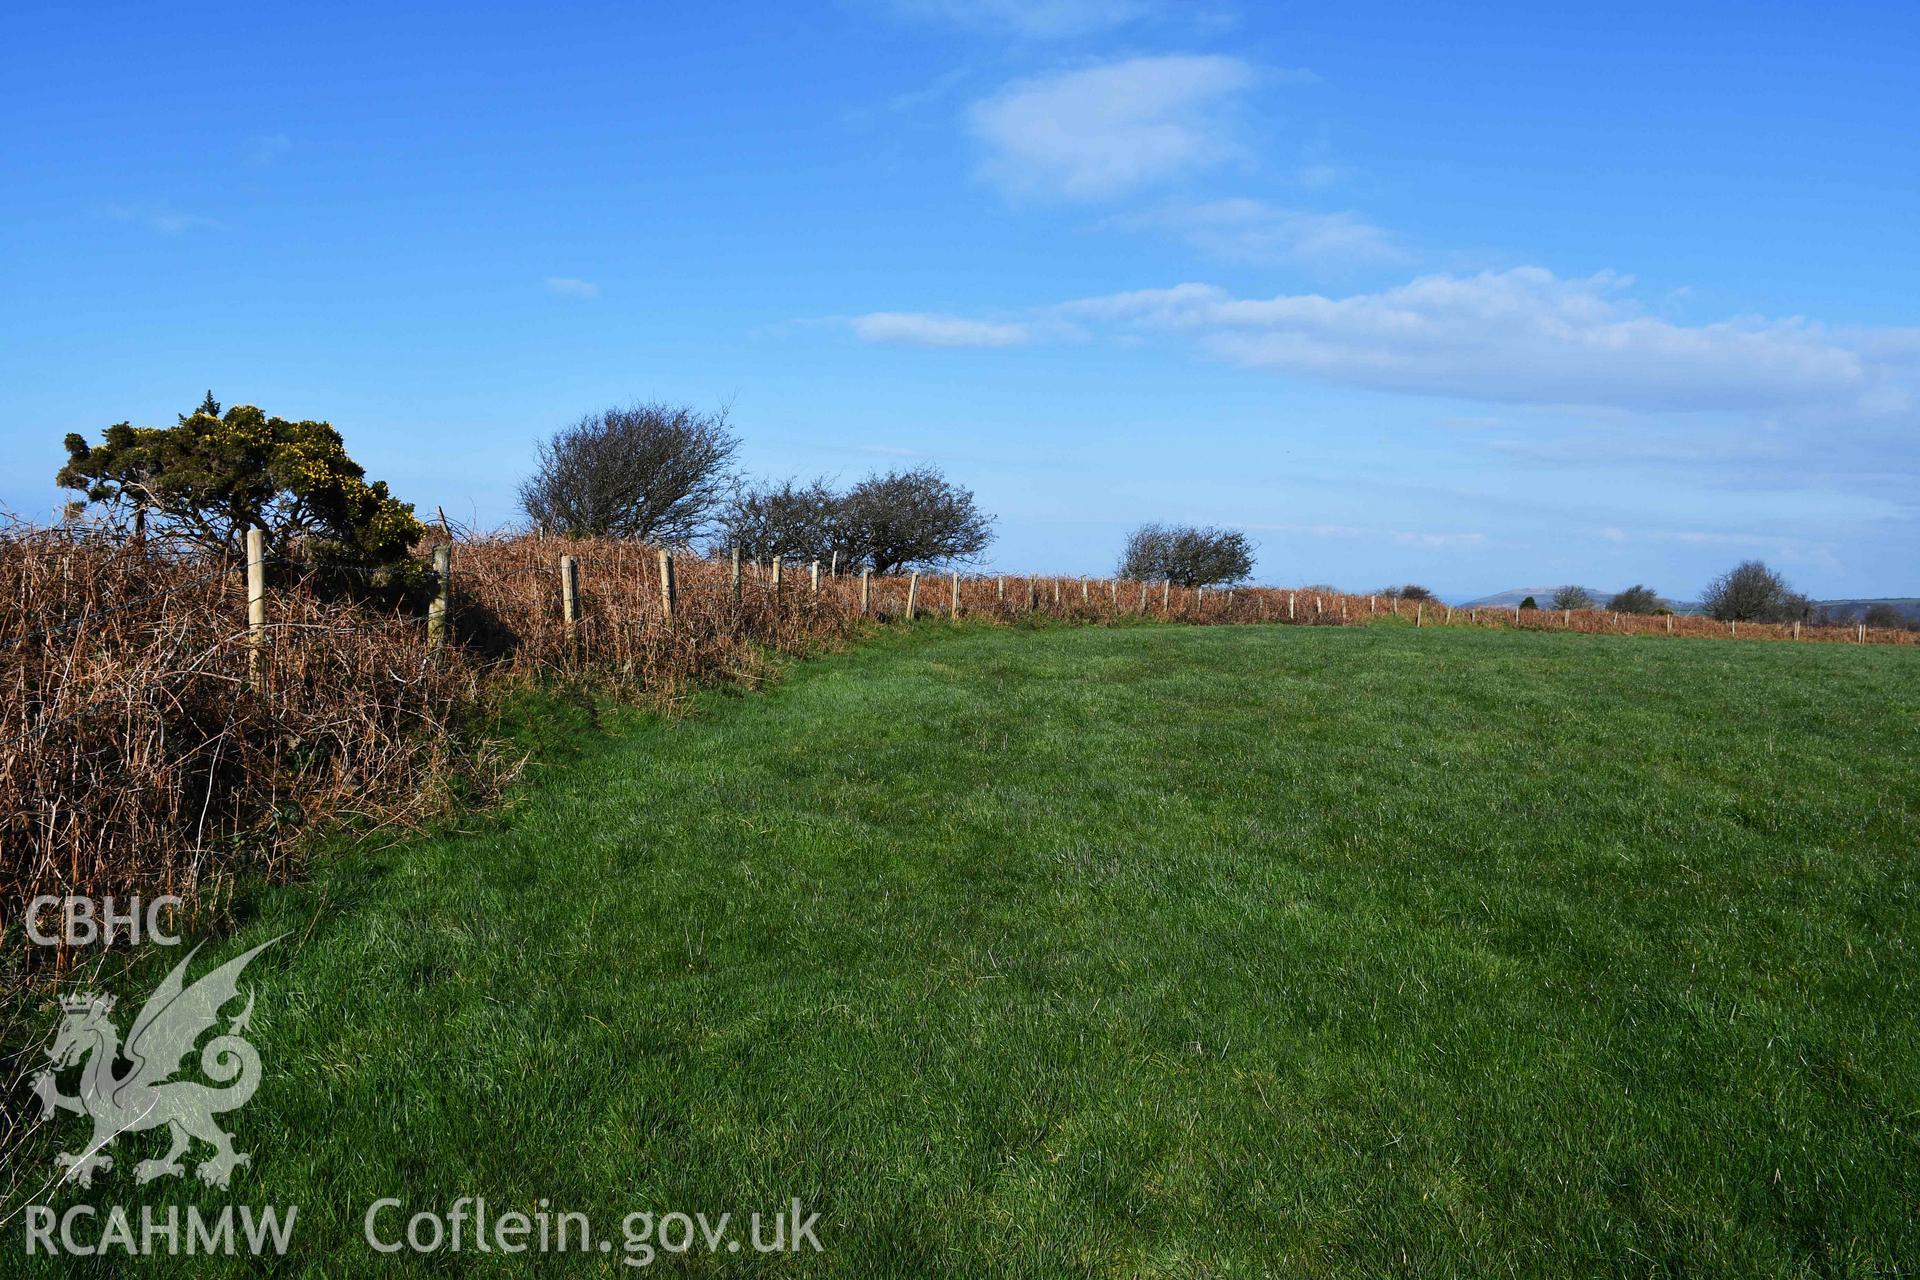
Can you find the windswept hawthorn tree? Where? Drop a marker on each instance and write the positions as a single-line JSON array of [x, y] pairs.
[[907, 518], [1187, 555], [797, 519], [1751, 592], [1637, 598], [207, 480]]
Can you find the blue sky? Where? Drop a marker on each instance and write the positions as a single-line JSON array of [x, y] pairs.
[[1477, 296]]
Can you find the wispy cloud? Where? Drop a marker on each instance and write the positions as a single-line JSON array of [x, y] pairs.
[[1439, 541], [1253, 231], [932, 91], [1622, 445], [1103, 131], [1697, 537], [1427, 539], [165, 219], [569, 287], [1787, 548], [268, 147], [1032, 19], [1521, 336], [925, 329]]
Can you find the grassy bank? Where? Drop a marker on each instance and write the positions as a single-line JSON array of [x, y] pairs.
[[1143, 951]]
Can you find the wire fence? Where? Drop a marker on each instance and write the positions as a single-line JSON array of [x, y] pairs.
[[169, 723]]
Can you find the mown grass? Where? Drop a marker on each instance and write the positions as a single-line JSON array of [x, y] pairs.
[[1154, 951]]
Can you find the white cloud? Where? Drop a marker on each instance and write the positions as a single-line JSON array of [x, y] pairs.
[[1521, 336], [1033, 19], [1102, 131], [568, 287], [1242, 230], [1441, 541], [923, 329]]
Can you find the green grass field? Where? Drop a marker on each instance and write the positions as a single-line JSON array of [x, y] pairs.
[[1148, 951]]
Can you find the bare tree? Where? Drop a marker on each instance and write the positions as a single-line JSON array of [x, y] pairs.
[[1636, 599], [785, 519], [649, 471], [911, 517], [1751, 592], [1571, 597], [1411, 591], [1881, 614], [1187, 555]]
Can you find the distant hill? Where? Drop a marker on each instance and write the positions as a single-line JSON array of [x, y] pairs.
[[1541, 595], [1844, 610], [1909, 607]]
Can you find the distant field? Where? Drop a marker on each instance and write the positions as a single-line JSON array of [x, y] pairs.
[[1148, 951]]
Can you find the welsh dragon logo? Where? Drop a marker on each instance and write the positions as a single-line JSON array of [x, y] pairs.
[[143, 1095]]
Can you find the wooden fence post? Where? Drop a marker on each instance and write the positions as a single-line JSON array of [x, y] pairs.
[[999, 591], [866, 590], [1566, 617], [1863, 633], [1370, 608], [776, 575], [736, 573], [913, 590], [442, 594], [833, 566], [955, 612], [1083, 592], [1033, 595], [1113, 592], [814, 583], [1143, 597], [570, 594], [1669, 624], [668, 596], [1419, 614], [257, 608], [1796, 630], [1289, 606], [1056, 593]]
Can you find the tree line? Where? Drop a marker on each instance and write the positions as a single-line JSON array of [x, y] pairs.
[[662, 474], [657, 473], [1748, 592]]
